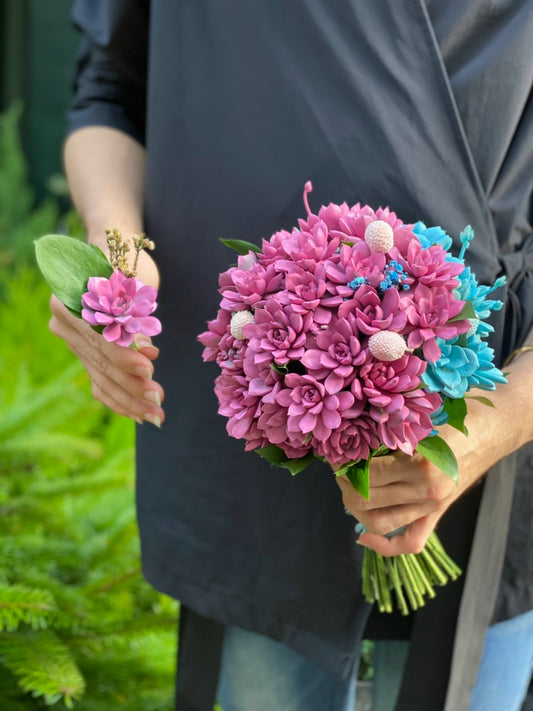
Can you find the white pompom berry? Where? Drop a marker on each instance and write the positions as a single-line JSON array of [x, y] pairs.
[[387, 345], [379, 236], [239, 320]]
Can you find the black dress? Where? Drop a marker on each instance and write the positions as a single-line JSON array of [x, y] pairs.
[[422, 106]]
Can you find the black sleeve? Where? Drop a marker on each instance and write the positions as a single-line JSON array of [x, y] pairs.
[[110, 78]]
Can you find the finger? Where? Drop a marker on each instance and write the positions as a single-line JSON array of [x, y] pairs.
[[122, 402], [412, 541], [394, 468], [130, 393], [146, 347], [437, 491], [92, 349], [384, 521]]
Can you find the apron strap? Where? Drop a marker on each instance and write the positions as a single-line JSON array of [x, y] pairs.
[[199, 652]]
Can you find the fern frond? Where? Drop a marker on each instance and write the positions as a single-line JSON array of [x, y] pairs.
[[22, 605], [43, 666], [109, 476], [24, 410]]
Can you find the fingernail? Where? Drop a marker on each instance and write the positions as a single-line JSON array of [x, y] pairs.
[[154, 419], [138, 420], [143, 371], [153, 396]]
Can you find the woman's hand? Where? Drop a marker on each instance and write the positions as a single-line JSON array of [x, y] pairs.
[[121, 378], [413, 492], [404, 491]]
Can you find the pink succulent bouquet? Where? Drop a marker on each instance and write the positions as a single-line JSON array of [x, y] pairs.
[[351, 336], [105, 293]]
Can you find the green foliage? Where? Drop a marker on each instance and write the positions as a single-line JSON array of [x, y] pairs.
[[67, 264], [277, 456], [78, 625], [240, 246], [439, 453], [20, 220]]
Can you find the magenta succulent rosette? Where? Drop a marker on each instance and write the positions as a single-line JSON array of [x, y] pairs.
[[350, 336], [122, 306]]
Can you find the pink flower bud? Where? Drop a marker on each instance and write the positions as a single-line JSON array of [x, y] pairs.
[[379, 236], [239, 320], [386, 345]]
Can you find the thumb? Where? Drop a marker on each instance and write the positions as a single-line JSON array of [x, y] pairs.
[[144, 344]]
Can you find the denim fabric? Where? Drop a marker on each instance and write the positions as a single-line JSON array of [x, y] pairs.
[[506, 666], [503, 678], [259, 674]]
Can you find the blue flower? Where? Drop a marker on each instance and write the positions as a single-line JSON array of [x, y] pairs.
[[486, 375], [451, 374], [439, 418], [428, 236], [461, 368]]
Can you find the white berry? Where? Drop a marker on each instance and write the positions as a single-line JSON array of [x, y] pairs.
[[386, 345], [379, 236], [239, 320]]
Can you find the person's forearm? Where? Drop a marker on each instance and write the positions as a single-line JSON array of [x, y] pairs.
[[105, 170]]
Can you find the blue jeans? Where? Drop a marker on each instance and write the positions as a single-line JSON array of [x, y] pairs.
[[259, 674]]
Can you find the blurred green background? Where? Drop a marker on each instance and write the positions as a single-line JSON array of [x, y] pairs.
[[78, 625]]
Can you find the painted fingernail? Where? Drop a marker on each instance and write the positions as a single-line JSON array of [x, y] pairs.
[[153, 396], [154, 419]]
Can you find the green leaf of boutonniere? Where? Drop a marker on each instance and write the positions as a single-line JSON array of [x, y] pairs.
[[67, 264]]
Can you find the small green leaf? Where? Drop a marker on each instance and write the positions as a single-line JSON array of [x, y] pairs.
[[481, 399], [295, 466], [440, 454], [467, 311], [381, 451], [282, 369], [241, 246], [66, 264], [456, 409], [277, 456], [358, 475]]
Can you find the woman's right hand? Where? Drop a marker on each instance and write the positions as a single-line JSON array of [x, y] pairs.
[[121, 378]]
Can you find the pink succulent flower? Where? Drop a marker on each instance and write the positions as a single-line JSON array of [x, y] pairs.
[[310, 408], [337, 354], [428, 312], [239, 401], [404, 428], [373, 312], [428, 265], [122, 305], [353, 440], [242, 288], [278, 333], [385, 383], [216, 329]]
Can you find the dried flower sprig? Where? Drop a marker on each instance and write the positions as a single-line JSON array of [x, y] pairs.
[[119, 248]]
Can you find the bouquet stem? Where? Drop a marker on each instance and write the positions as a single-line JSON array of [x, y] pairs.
[[411, 577]]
